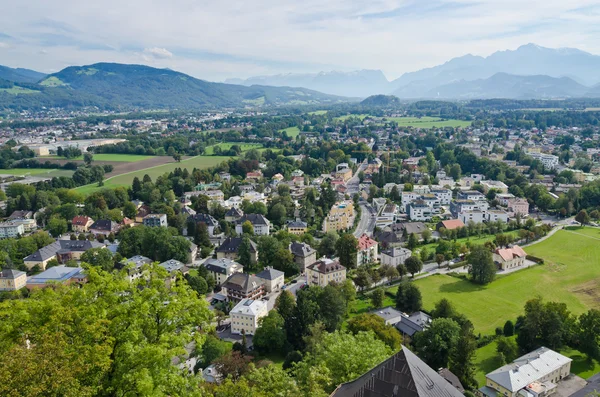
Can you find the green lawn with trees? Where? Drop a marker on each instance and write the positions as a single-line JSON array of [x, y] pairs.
[[225, 146], [570, 275], [428, 122], [42, 172], [127, 158], [292, 132]]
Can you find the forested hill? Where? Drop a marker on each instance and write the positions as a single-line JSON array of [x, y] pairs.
[[119, 86]]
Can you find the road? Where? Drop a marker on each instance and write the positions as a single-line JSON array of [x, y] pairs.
[[368, 217]]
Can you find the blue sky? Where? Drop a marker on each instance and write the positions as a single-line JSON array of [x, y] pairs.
[[216, 40]]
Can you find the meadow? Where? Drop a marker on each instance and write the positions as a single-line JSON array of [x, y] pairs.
[[128, 158], [474, 240], [292, 132], [428, 122], [41, 172], [570, 275], [127, 178]]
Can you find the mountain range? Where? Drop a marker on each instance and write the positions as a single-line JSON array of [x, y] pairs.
[[119, 86], [528, 72], [20, 75]]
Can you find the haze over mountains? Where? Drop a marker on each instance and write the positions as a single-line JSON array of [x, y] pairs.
[[517, 74]]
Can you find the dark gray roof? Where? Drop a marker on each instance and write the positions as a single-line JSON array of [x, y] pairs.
[[242, 282], [232, 244], [234, 212], [255, 219], [203, 218], [411, 227], [11, 273], [297, 224], [404, 374], [452, 379], [61, 246], [20, 215], [104, 224], [387, 237], [219, 265], [269, 273], [301, 249]]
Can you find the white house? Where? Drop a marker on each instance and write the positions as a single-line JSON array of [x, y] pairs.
[[509, 258], [443, 195], [245, 316], [395, 256], [221, 269], [496, 215], [419, 211], [261, 225], [273, 279], [11, 230]]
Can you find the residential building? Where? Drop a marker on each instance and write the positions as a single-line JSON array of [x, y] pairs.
[[419, 211], [230, 249], [134, 266], [261, 225], [390, 315], [340, 217], [367, 250], [61, 250], [245, 316], [388, 239], [12, 279], [215, 195], [57, 274], [408, 198], [461, 205], [450, 224], [27, 223], [504, 198], [496, 216], [81, 224], [496, 185], [233, 214], [20, 215], [509, 258], [388, 215], [222, 268], [343, 171], [403, 374], [155, 220], [11, 230], [518, 206], [443, 195], [475, 216], [472, 195], [104, 227], [297, 227], [244, 286], [534, 374], [325, 271], [405, 229], [174, 267], [409, 325], [395, 256], [142, 211], [549, 161], [304, 255], [210, 222], [273, 279]]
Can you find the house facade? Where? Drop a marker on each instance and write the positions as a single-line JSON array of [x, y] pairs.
[[229, 249], [155, 220], [261, 225], [244, 286], [245, 316], [304, 255], [509, 258], [81, 224], [340, 217], [297, 227], [367, 250], [395, 256], [222, 269], [273, 279], [12, 279], [325, 271], [11, 230]]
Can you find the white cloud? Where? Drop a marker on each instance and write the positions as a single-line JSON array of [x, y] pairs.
[[160, 53], [238, 38], [3, 45]]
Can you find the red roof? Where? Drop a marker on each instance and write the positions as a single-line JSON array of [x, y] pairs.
[[81, 220], [508, 254], [453, 224], [365, 242]]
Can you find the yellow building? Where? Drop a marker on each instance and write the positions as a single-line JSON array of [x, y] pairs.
[[297, 227], [325, 271], [12, 280], [340, 217]]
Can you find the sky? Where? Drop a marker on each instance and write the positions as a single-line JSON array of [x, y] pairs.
[[217, 40]]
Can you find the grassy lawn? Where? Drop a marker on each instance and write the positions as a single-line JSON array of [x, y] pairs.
[[346, 117], [126, 179], [473, 239], [570, 275], [318, 112], [127, 158], [16, 90], [428, 122], [42, 172], [292, 132], [227, 145]]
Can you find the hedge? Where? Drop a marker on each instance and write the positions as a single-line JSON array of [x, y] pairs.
[[535, 259]]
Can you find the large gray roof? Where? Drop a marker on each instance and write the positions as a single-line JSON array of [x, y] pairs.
[[301, 249], [404, 374], [269, 273], [62, 246]]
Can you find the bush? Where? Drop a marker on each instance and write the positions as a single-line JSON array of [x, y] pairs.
[[458, 264], [535, 259], [485, 340]]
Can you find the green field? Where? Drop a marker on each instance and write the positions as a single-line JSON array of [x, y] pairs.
[[227, 145], [292, 132], [318, 112], [346, 117], [427, 122], [15, 90], [570, 275], [127, 158], [154, 172], [42, 172]]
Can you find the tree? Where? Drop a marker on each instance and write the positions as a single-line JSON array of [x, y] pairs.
[[426, 235], [328, 244], [408, 297], [197, 283], [99, 257], [366, 322], [244, 254], [285, 305], [362, 279], [377, 297], [247, 228], [402, 271], [582, 217], [443, 309], [413, 241], [268, 250], [212, 349], [278, 214], [332, 307], [346, 248], [463, 355], [439, 259], [481, 265], [589, 333], [270, 335], [435, 344], [413, 265], [509, 328], [57, 226], [87, 158], [508, 348], [233, 364]]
